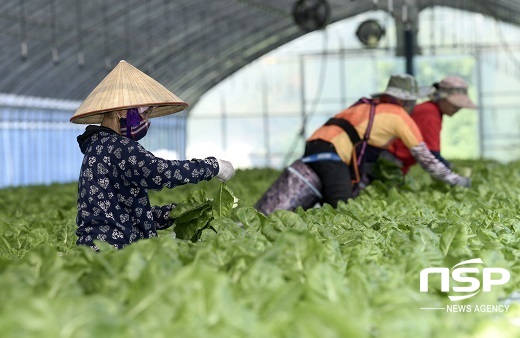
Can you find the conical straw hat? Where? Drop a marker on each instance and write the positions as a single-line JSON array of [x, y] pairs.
[[123, 88]]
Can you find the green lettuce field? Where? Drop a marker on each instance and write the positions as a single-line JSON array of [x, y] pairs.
[[353, 271]]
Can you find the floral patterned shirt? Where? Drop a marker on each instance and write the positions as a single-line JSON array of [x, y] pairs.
[[116, 173]]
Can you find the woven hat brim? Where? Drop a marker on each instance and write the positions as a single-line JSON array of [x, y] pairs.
[[123, 88], [161, 109]]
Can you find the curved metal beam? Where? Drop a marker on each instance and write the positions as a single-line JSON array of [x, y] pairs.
[[188, 45]]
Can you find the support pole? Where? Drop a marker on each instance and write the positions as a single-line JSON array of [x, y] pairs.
[[409, 43], [409, 50], [407, 22]]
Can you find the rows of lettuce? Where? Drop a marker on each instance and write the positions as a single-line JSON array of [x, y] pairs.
[[346, 272]]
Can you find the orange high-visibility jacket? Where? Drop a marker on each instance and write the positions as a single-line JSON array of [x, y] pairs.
[[390, 121]]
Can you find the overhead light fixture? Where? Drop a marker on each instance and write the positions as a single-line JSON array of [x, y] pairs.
[[369, 33]]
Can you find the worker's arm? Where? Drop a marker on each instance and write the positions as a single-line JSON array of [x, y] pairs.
[[438, 156], [436, 168], [409, 133]]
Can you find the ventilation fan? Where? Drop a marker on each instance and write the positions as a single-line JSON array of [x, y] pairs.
[[311, 15]]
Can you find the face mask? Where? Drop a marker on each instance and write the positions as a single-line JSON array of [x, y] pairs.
[[134, 126]]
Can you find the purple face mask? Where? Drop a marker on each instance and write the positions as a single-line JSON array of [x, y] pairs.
[[134, 126]]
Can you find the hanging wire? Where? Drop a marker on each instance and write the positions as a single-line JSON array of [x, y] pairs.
[[465, 38], [24, 50], [220, 30], [149, 34], [126, 22], [432, 31], [214, 45], [106, 36], [461, 41], [442, 25], [170, 31], [81, 55], [390, 10], [317, 97], [475, 24], [506, 46], [214, 41], [390, 5], [185, 30], [54, 50], [455, 25]]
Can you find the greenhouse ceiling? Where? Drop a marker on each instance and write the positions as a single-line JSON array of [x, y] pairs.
[[63, 48]]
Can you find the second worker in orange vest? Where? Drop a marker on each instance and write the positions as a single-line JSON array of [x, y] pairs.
[[361, 131]]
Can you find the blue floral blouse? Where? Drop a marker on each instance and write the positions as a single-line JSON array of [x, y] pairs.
[[116, 173]]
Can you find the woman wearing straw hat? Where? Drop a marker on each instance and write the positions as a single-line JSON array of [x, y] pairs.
[[336, 152], [116, 172], [449, 96]]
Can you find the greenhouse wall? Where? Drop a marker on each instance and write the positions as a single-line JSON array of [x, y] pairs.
[[38, 143], [260, 116]]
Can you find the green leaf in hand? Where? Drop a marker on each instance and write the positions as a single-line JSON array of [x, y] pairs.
[[194, 214], [223, 202]]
